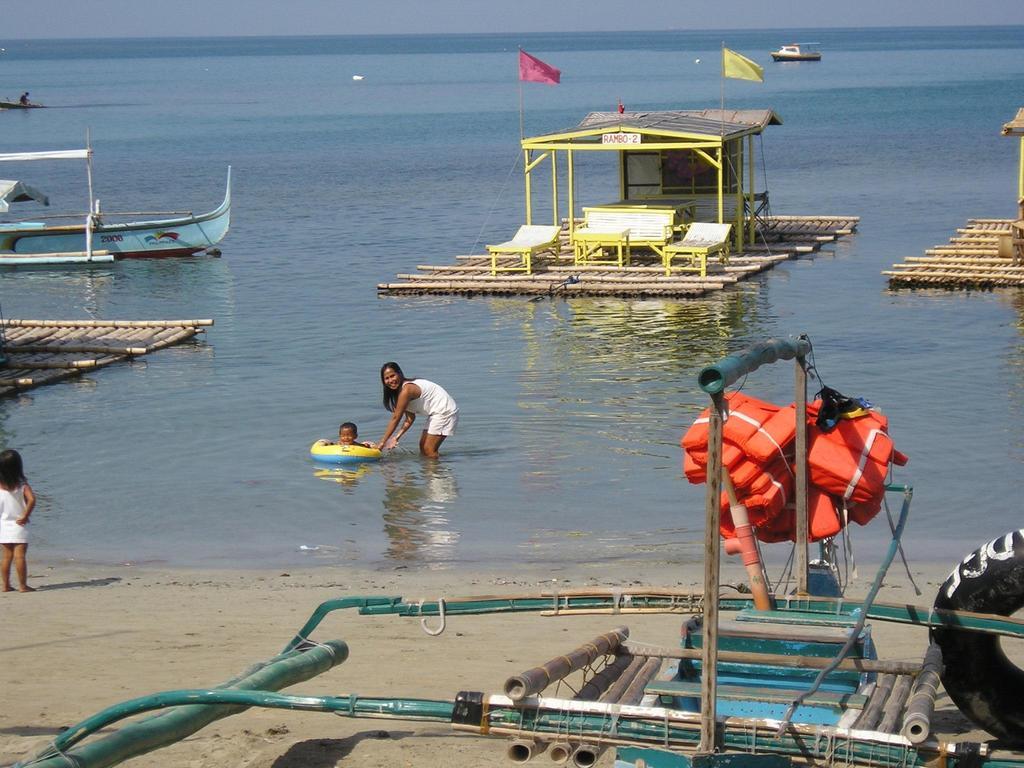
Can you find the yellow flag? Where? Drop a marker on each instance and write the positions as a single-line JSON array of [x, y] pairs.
[[740, 67]]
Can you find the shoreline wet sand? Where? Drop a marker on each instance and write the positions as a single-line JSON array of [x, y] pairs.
[[96, 635]]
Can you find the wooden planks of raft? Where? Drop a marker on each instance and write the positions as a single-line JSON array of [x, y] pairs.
[[779, 238], [42, 352], [971, 259]]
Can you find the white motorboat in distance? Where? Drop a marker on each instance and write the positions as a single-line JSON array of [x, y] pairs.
[[796, 52]]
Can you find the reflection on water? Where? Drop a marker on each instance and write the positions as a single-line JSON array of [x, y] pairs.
[[346, 477], [613, 365], [417, 498]]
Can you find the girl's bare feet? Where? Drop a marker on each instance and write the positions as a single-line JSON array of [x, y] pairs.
[[7, 589], [26, 589]]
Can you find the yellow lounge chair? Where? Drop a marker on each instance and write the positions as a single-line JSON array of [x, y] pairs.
[[530, 240], [701, 240]]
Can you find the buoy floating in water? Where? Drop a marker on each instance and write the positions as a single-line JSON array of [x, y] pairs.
[[332, 453], [357, 77]]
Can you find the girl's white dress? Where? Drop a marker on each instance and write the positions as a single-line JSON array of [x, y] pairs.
[[12, 507]]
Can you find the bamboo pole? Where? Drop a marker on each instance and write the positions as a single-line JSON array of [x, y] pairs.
[[777, 659], [893, 709], [14, 323], [712, 538], [72, 349], [635, 690], [872, 712], [617, 688], [56, 364], [598, 684], [535, 680], [800, 485], [917, 723]]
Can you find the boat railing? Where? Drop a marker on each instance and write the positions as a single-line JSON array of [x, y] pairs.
[[102, 214]]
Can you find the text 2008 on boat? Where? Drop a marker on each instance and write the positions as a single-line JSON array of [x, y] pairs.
[[93, 236], [798, 679]]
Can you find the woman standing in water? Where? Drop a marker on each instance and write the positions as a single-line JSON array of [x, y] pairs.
[[413, 397]]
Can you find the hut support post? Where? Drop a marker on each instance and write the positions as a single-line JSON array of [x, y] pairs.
[[571, 182], [801, 474], [739, 200], [721, 200], [554, 187], [752, 186], [712, 546], [529, 194], [1020, 172]]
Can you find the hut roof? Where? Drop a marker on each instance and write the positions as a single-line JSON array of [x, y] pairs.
[[1016, 126], [729, 123]]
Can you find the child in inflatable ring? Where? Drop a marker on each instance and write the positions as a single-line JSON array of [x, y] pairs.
[[348, 434]]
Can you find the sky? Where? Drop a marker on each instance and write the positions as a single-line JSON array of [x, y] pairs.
[[205, 18]]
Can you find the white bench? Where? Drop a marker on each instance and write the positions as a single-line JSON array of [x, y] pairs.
[[621, 229], [527, 242], [701, 240]]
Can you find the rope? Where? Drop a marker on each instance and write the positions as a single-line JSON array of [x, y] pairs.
[[440, 612], [498, 197]]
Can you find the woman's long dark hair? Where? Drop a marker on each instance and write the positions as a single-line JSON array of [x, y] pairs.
[[391, 395], [11, 473]]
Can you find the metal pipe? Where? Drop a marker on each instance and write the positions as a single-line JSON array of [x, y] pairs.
[[715, 378], [535, 680]]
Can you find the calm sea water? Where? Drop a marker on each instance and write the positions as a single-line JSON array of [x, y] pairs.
[[571, 409]]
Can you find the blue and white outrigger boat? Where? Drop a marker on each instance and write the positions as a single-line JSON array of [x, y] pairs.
[[95, 236], [799, 682]]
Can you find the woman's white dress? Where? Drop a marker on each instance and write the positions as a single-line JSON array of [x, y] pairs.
[[12, 507]]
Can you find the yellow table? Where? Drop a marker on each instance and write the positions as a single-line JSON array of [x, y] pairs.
[[588, 247]]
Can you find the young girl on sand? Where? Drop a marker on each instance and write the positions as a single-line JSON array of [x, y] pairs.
[[16, 503]]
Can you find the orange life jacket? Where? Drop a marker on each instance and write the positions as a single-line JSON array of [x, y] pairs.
[[847, 466]]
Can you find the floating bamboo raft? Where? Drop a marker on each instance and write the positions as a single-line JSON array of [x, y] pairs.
[[46, 351], [779, 238], [971, 259]]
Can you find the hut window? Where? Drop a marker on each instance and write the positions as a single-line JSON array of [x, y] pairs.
[[642, 175]]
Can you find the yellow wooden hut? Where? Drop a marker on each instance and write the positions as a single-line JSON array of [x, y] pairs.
[[698, 163]]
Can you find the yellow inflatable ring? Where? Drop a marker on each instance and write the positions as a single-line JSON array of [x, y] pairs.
[[332, 453]]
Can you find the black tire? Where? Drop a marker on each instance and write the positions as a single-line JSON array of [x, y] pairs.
[[977, 675]]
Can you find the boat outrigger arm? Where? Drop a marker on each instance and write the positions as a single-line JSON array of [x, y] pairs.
[[66, 154]]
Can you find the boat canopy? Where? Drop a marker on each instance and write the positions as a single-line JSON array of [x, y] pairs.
[[59, 154], [18, 192]]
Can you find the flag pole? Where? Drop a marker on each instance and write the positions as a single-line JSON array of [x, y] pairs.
[[722, 86], [520, 80]]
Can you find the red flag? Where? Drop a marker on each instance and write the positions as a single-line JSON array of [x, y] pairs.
[[533, 70]]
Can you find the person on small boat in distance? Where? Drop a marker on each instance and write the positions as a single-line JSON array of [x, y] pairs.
[[348, 434], [413, 397], [24, 98]]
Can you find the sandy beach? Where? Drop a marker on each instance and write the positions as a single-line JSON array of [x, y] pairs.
[[95, 635]]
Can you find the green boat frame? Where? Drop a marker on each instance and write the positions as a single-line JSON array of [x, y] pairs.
[[658, 733]]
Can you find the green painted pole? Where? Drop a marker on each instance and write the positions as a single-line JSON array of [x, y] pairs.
[[715, 378], [182, 721]]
